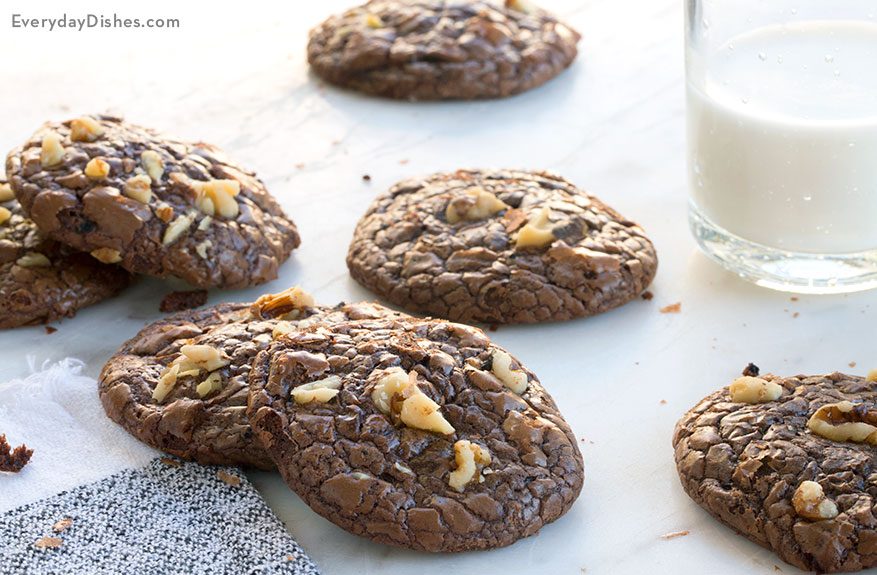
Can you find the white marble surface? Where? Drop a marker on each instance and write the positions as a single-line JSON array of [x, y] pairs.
[[234, 74]]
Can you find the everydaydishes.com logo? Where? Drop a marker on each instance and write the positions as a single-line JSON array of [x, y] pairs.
[[91, 21]]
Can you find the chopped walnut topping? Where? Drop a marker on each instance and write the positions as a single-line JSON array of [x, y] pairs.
[[6, 192], [139, 188], [516, 380], [810, 502], [97, 168], [201, 249], [537, 233], [153, 164], [205, 223], [470, 458], [4, 215], [473, 205], [204, 357], [524, 6], [845, 421], [320, 391], [51, 150], [33, 260], [177, 228], [106, 255], [374, 21], [284, 305], [165, 212], [282, 328], [749, 389], [217, 197], [85, 129], [166, 382], [211, 384], [398, 395]]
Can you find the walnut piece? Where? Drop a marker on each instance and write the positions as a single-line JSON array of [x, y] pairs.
[[85, 129], [515, 380], [4, 215], [398, 395], [284, 305], [51, 150], [33, 260], [97, 168], [106, 255], [6, 192], [192, 360], [201, 249], [153, 164], [48, 543], [473, 205], [524, 6], [749, 389], [62, 524], [177, 228], [139, 188], [470, 458], [317, 391], [211, 383], [373, 21], [845, 421], [537, 232], [810, 502], [217, 197], [164, 212]]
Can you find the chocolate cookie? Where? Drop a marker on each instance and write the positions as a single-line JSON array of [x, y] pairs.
[[790, 463], [442, 49], [154, 205], [499, 247], [417, 433], [41, 280], [180, 385]]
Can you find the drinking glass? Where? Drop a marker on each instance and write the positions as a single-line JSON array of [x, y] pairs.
[[782, 140]]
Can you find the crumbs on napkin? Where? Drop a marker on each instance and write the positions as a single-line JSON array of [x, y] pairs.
[[674, 535], [672, 308]]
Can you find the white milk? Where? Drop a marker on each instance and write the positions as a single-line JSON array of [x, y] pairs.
[[783, 137]]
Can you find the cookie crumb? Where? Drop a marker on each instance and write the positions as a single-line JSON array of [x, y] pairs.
[[50, 330], [793, 298], [663, 402], [170, 462], [796, 314], [403, 162], [47, 543], [672, 308], [366, 178], [492, 327], [852, 364], [13, 460], [751, 370], [62, 524], [183, 300], [228, 478], [300, 166], [647, 295], [674, 535]]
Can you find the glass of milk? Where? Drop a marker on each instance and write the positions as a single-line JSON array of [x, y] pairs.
[[782, 140]]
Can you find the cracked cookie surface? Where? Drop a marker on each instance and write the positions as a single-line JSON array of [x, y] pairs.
[[361, 458], [154, 205], [41, 280], [206, 424], [546, 251], [441, 49], [749, 463]]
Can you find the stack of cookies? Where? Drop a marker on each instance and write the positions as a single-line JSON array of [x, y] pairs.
[[414, 432], [90, 201]]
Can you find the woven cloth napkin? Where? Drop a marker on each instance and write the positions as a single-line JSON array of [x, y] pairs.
[[94, 500]]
